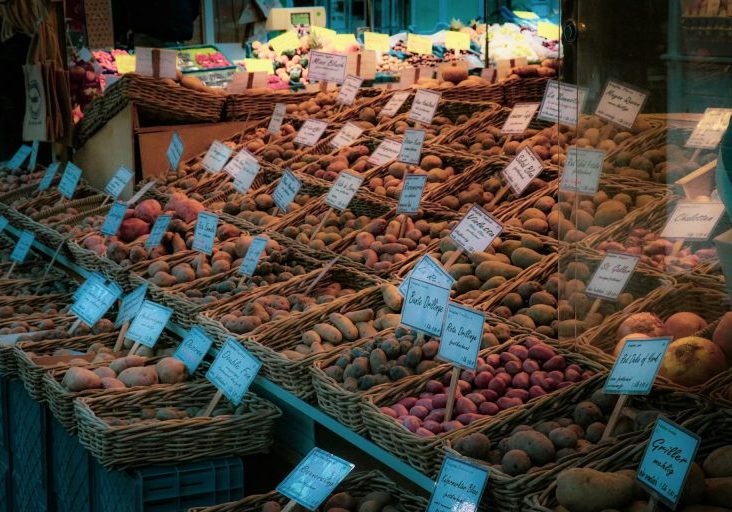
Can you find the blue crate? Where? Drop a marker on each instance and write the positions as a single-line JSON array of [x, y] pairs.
[[167, 489], [4, 422], [72, 465], [6, 487]]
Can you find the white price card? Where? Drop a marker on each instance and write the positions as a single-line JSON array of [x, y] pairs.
[[692, 220], [204, 234], [216, 156], [424, 106], [286, 190], [636, 367], [394, 104], [131, 304], [611, 276], [521, 170], [233, 371], [175, 151], [278, 115], [582, 170], [411, 151], [385, 152], [310, 132], [254, 252], [562, 103], [167, 62], [709, 131], [459, 486], [149, 323], [411, 195], [244, 168], [476, 230], [462, 333], [343, 189], [118, 182], [520, 117], [621, 103], [327, 67], [349, 90], [346, 136], [425, 306], [428, 269], [193, 348]]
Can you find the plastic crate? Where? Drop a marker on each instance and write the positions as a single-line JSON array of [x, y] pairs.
[[72, 465], [167, 489], [6, 482], [29, 433], [6, 488]]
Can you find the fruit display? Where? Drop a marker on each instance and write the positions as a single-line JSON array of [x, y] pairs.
[[352, 158], [509, 41]]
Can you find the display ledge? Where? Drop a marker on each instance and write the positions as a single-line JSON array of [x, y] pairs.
[[276, 393], [696, 58]]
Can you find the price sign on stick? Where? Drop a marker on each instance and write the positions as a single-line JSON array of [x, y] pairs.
[[518, 120], [148, 324], [232, 372], [94, 277], [143, 190], [666, 463], [114, 219], [21, 250], [175, 151], [19, 157], [709, 131], [216, 156], [205, 232], [475, 231], [158, 231], [93, 300], [621, 103], [244, 168], [411, 195], [69, 180], [327, 67], [394, 104], [611, 276], [424, 106], [562, 103], [411, 150], [193, 348], [425, 306], [118, 182], [286, 190], [251, 258], [387, 151], [349, 90], [523, 168], [343, 189], [278, 115], [346, 136], [428, 269], [582, 170], [128, 309], [376, 41], [692, 221], [310, 132], [48, 177], [459, 485], [314, 479]]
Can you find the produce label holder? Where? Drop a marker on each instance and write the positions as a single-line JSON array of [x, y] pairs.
[[346, 136], [621, 103], [475, 231], [193, 348], [666, 462], [129, 307], [21, 250], [427, 269], [459, 486], [582, 170], [69, 182], [251, 258], [692, 221], [243, 168], [216, 157], [158, 231], [286, 190], [117, 183], [327, 67], [147, 325], [205, 232], [410, 153], [278, 115], [322, 274], [519, 119], [313, 479], [462, 332], [310, 132], [424, 106], [92, 300], [47, 177], [232, 372], [610, 278], [19, 157], [349, 89], [709, 130], [394, 104], [113, 220], [562, 103], [175, 151], [339, 196], [387, 151], [633, 373], [517, 175], [33, 161], [411, 195]]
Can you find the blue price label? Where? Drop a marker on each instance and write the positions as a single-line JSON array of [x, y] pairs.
[[158, 231], [425, 306], [69, 180], [411, 195], [3, 223], [667, 460], [315, 478], [251, 258], [21, 249], [34, 156], [48, 177], [635, 369], [205, 232], [233, 371], [193, 348], [93, 277], [286, 190], [149, 323], [19, 157], [459, 486], [411, 152], [461, 336], [428, 269], [118, 182], [131, 304], [94, 299], [114, 219], [175, 151], [244, 168]]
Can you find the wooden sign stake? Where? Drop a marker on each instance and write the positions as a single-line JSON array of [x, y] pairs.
[[499, 195], [212, 404], [451, 393], [652, 503], [595, 306], [133, 349], [50, 264], [453, 258], [614, 417], [326, 268], [74, 326], [275, 211], [10, 271], [678, 244], [695, 155], [321, 224], [290, 505], [121, 337]]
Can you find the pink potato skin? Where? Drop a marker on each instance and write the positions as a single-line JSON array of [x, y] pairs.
[[148, 210], [131, 229]]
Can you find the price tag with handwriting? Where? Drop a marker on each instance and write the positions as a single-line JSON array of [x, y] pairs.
[[462, 333], [167, 64], [520, 117], [94, 298], [193, 348], [692, 220], [175, 150], [94, 277], [459, 485], [620, 104], [233, 371], [284, 42], [314, 478], [251, 258], [425, 305], [131, 304], [635, 369], [327, 67], [114, 219], [411, 194], [424, 106], [349, 90], [205, 232], [244, 168], [476, 230], [158, 231], [69, 180], [48, 177], [346, 136], [310, 132], [523, 168], [19, 157], [394, 104], [582, 170], [343, 189], [709, 131], [376, 41], [457, 40], [216, 156], [611, 276], [411, 151], [149, 323], [562, 103], [666, 463], [118, 182], [278, 115], [22, 247], [286, 190], [419, 44], [385, 152], [429, 270]]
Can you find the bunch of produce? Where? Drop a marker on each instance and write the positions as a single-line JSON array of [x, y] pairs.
[[431, 165], [509, 41], [441, 125], [11, 179], [193, 83], [351, 158], [39, 329], [148, 415], [666, 164], [84, 85], [549, 68], [124, 372], [256, 207]]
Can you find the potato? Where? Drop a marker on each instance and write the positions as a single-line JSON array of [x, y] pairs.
[[538, 446], [719, 463], [171, 370], [139, 376], [588, 490], [80, 379], [121, 364], [112, 383]]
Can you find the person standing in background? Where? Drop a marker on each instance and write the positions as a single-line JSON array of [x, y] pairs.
[[161, 23]]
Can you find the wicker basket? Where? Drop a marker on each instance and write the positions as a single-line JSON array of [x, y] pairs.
[[357, 485], [523, 90], [239, 107], [167, 442], [318, 158], [493, 93], [8, 367]]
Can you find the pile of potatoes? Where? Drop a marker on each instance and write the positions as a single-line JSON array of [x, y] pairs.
[[55, 328], [351, 158], [708, 488], [151, 415], [256, 208], [320, 106], [431, 165], [376, 501], [441, 125], [530, 448], [336, 227], [663, 165], [123, 372], [546, 69], [12, 179], [50, 198], [24, 310]]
